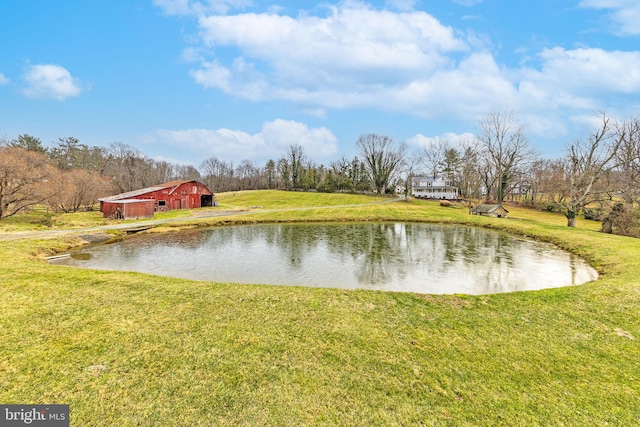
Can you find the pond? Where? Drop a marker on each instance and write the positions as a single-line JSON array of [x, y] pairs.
[[406, 257]]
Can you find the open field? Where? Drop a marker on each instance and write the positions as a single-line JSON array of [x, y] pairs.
[[129, 349]]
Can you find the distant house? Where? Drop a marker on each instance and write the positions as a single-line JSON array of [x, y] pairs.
[[162, 197], [437, 187], [496, 211]]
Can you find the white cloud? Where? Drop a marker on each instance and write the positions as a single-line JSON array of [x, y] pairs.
[[236, 145], [50, 82], [476, 86], [451, 139], [4, 80], [318, 143], [593, 70], [561, 95], [356, 56], [564, 87], [212, 75], [625, 14], [579, 78], [348, 58]]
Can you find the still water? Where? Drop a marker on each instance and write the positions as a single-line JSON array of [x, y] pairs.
[[407, 257]]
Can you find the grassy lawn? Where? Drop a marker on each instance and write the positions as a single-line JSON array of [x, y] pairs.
[[129, 349]]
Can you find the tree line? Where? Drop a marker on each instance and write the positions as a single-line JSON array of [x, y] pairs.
[[598, 175]]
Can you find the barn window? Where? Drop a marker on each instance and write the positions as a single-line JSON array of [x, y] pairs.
[[162, 203]]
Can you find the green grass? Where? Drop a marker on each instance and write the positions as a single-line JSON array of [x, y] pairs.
[[41, 219], [129, 349], [284, 199]]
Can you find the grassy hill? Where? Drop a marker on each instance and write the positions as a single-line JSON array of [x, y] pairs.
[[131, 349]]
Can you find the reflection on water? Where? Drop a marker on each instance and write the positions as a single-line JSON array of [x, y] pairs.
[[423, 258]]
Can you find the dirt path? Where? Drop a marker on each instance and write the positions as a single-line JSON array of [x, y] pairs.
[[46, 234]]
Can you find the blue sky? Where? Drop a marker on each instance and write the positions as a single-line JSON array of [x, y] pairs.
[[185, 80]]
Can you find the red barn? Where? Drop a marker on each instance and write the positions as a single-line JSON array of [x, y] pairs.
[[165, 197]]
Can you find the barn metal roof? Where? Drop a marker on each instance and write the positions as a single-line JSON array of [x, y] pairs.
[[129, 194], [127, 201]]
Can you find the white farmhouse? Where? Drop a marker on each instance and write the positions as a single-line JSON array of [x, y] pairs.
[[437, 187]]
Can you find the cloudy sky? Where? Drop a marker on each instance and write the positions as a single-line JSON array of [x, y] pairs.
[[185, 80]]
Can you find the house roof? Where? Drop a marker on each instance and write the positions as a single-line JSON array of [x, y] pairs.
[[129, 194], [431, 178], [488, 208]]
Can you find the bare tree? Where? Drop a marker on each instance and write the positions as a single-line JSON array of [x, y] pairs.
[[433, 156], [164, 171], [506, 149], [584, 165], [129, 169], [218, 175], [627, 158], [248, 175], [383, 158], [77, 189], [541, 179], [185, 172], [23, 178]]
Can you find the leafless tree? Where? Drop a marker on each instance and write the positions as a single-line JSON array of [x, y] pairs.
[[584, 165], [627, 159], [506, 150], [126, 167], [218, 175], [433, 156], [23, 178], [248, 175], [77, 189], [185, 172], [383, 158], [541, 180], [163, 171]]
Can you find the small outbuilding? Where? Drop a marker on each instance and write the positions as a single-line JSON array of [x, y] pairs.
[[496, 211], [128, 209], [162, 197]]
